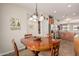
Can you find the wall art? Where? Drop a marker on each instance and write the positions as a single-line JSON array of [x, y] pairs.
[[15, 24]]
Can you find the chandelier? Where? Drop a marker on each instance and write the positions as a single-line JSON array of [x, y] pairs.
[[36, 17]]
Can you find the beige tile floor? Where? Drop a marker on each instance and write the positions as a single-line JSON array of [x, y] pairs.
[[66, 48]]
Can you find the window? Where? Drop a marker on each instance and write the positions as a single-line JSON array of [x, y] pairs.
[[65, 27], [76, 28]]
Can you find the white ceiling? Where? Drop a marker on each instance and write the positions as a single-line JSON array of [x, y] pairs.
[[62, 11]]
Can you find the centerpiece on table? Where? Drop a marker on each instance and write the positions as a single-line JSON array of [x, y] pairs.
[[37, 38]]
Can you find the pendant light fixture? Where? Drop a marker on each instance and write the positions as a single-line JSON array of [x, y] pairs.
[[36, 17]]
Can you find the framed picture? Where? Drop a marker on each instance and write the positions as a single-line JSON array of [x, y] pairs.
[[15, 24]]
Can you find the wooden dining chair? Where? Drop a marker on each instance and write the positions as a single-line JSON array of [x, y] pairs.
[[76, 46], [21, 53], [15, 48], [56, 48], [28, 35], [54, 51]]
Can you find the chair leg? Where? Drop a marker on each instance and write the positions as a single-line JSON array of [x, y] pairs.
[[25, 47], [75, 54], [36, 52]]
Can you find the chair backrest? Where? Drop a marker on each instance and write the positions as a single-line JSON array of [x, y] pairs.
[[27, 35], [15, 48]]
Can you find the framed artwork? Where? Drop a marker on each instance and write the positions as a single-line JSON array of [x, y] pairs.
[[15, 24]]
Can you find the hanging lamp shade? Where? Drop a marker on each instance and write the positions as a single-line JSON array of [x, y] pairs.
[[41, 18], [30, 18], [35, 16]]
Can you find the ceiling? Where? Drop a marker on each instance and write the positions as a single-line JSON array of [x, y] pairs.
[[60, 11]]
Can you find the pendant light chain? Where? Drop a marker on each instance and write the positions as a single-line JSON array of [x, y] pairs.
[[36, 10]]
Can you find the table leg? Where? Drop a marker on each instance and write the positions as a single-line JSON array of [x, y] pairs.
[[36, 52]]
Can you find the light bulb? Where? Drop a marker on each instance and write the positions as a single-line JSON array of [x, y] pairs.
[[41, 18], [69, 5], [31, 18], [55, 11], [34, 16], [34, 20]]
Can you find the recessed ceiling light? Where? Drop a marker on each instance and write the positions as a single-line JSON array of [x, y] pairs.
[[63, 16], [69, 5], [74, 13], [54, 11]]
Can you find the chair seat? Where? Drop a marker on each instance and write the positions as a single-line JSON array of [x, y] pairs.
[[45, 53], [26, 53]]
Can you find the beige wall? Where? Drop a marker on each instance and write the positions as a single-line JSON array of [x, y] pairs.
[[44, 28], [34, 29], [0, 28], [6, 34]]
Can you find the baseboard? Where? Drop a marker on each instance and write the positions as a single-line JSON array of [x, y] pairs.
[[10, 51], [6, 53]]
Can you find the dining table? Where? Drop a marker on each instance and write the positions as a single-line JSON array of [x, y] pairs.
[[36, 46]]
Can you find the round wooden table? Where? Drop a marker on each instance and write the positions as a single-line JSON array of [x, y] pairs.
[[37, 46]]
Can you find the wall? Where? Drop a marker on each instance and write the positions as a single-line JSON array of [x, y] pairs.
[[6, 34], [44, 27], [0, 27], [32, 27]]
